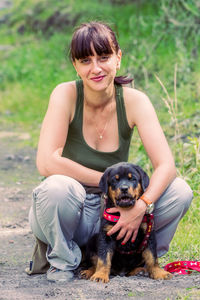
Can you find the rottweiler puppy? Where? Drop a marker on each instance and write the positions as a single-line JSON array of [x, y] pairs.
[[122, 185]]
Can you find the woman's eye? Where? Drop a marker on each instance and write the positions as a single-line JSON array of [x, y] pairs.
[[104, 58], [85, 60]]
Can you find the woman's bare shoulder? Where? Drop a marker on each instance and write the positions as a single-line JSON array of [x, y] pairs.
[[134, 95], [138, 106], [64, 91], [63, 100]]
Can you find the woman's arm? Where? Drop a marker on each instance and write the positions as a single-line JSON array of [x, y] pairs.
[[140, 113], [53, 135]]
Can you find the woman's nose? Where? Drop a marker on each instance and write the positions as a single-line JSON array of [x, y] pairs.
[[96, 69]]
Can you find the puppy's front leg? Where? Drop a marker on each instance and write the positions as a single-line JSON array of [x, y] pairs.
[[151, 261], [102, 269], [105, 252]]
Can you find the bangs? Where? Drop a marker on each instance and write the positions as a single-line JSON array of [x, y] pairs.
[[87, 38], [95, 37]]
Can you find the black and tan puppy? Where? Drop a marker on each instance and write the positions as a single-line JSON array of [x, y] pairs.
[[123, 184]]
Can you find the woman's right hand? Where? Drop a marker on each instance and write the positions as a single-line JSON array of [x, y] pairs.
[[129, 221]]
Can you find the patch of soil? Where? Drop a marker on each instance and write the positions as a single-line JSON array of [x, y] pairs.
[[18, 176]]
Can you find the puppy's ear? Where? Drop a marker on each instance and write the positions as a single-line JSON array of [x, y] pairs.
[[144, 178], [103, 184]]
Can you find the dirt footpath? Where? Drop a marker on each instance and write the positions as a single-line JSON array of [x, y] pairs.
[[18, 176]]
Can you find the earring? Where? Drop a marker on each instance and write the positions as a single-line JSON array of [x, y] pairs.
[[77, 75]]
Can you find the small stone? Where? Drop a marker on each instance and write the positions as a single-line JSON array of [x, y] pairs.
[[10, 157], [27, 158]]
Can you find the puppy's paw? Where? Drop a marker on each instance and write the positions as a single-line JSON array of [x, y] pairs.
[[158, 273], [136, 271], [100, 277], [86, 274]]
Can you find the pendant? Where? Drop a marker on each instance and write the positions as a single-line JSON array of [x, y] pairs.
[[101, 137]]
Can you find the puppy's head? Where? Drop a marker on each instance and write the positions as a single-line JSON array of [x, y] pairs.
[[124, 183]]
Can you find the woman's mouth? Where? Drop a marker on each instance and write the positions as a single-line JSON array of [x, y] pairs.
[[98, 78]]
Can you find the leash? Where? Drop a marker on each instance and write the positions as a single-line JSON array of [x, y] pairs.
[[183, 267], [147, 219]]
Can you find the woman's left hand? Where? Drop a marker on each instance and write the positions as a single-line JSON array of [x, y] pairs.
[[129, 221]]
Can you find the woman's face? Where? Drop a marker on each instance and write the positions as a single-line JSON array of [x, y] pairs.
[[98, 71]]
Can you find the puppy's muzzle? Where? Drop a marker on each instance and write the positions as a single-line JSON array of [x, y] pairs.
[[125, 199]]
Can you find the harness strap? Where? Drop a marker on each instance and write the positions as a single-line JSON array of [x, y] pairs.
[[149, 220]]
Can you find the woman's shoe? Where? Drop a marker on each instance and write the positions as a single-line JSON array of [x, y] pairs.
[[56, 275]]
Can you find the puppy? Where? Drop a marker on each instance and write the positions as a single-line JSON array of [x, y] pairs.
[[122, 185]]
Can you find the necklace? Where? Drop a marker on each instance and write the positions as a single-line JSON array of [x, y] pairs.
[[100, 134]]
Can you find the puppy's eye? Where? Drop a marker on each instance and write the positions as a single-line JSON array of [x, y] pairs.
[[130, 176], [117, 177]]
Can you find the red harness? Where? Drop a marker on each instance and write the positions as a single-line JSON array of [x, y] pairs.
[[147, 219]]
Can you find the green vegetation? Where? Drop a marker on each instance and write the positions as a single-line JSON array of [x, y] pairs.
[[159, 41]]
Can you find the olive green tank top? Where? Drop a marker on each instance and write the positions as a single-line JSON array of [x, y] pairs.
[[79, 151]]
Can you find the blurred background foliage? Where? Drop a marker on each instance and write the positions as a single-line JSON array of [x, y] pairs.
[[160, 41]]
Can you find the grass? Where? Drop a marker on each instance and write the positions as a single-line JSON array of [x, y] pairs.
[[159, 41]]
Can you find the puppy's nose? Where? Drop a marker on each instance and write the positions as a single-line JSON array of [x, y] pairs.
[[124, 188]]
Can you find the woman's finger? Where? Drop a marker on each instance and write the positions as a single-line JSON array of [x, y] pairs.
[[112, 210], [134, 236], [127, 237], [121, 234], [114, 229]]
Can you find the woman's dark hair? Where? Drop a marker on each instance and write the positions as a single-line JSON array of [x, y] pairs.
[[101, 37]]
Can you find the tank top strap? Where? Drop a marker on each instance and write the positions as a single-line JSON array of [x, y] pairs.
[[79, 104], [123, 125], [79, 89]]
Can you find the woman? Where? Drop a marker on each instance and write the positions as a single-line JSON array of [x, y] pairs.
[[88, 127]]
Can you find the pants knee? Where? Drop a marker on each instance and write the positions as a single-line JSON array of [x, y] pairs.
[[173, 204], [59, 193], [184, 194]]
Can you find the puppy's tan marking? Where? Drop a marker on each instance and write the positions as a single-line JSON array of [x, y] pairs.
[[135, 193], [107, 227], [86, 274], [102, 270], [138, 191], [152, 266], [113, 194], [130, 175]]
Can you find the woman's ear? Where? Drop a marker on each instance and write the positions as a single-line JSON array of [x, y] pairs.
[[119, 56], [74, 64]]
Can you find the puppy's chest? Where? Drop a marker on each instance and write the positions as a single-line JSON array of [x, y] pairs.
[[129, 247]]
